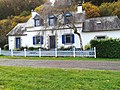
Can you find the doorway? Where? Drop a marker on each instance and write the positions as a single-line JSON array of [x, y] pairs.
[[52, 42], [18, 42]]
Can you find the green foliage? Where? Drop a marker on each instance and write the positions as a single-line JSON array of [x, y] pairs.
[[25, 13], [87, 47], [110, 9], [21, 78], [96, 2], [5, 26], [20, 19], [91, 10], [32, 48], [8, 24], [107, 48], [67, 48], [58, 58], [6, 47], [22, 48], [15, 7]]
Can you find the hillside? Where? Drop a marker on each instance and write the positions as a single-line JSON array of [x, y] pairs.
[[16, 7]]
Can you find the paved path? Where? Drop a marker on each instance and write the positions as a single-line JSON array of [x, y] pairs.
[[99, 65]]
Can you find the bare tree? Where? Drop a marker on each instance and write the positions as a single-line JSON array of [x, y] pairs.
[[59, 9]]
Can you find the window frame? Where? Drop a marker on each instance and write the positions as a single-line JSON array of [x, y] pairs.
[[67, 17], [52, 19], [70, 36], [100, 37], [37, 23], [37, 40]]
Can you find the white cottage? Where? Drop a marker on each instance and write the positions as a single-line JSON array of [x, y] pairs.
[[37, 32], [53, 32]]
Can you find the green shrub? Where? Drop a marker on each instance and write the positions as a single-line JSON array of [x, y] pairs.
[[25, 13], [22, 48], [107, 48], [6, 47], [67, 48], [87, 47], [32, 48]]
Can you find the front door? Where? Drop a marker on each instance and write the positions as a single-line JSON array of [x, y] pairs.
[[52, 42], [18, 42]]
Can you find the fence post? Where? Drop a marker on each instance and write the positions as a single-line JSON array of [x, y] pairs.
[[0, 51], [25, 52], [39, 52], [95, 52], [55, 52], [73, 51], [11, 50]]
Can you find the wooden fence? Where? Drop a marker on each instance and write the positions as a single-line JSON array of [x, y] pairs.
[[52, 53]]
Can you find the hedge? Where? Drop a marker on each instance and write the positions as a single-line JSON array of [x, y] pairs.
[[107, 48]]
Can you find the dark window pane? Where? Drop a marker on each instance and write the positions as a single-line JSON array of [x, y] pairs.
[[100, 37], [37, 22], [52, 22], [68, 18], [38, 40], [68, 38]]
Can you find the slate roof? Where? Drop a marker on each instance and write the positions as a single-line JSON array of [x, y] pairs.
[[101, 24], [17, 30]]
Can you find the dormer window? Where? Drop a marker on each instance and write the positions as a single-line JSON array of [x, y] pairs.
[[52, 20], [67, 18], [38, 21]]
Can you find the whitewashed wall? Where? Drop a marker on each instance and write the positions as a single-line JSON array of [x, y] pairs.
[[88, 36], [11, 42], [28, 40]]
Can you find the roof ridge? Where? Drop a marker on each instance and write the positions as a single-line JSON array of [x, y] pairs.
[[101, 17]]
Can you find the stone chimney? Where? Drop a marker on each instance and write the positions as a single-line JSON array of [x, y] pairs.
[[33, 13], [79, 8], [52, 1]]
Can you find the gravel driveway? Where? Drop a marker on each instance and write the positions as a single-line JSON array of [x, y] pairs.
[[99, 65]]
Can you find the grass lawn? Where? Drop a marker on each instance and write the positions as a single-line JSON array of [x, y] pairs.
[[59, 58], [25, 78]]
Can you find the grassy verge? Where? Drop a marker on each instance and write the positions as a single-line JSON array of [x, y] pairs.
[[58, 58], [20, 78]]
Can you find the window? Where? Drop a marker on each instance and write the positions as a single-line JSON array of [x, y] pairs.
[[67, 18], [52, 20], [37, 40], [100, 37], [37, 22], [68, 39]]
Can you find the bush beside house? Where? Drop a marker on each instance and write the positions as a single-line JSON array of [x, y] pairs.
[[107, 48]]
